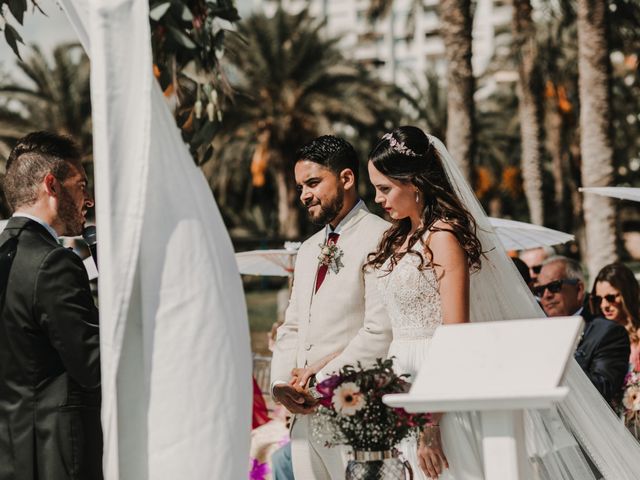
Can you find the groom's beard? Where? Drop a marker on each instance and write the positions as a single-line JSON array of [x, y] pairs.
[[329, 211]]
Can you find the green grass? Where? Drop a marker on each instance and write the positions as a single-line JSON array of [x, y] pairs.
[[262, 309]]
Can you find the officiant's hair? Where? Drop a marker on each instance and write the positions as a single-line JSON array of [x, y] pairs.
[[332, 152], [34, 156], [407, 155]]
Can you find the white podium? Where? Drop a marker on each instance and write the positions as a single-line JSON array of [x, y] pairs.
[[499, 369]]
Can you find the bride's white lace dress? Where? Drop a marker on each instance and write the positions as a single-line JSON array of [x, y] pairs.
[[413, 304]]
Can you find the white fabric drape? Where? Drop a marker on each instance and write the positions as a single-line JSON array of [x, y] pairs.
[[176, 365]]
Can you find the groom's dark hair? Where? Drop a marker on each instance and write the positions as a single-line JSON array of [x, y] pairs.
[[331, 152]]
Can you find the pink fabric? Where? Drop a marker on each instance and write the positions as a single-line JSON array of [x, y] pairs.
[[634, 358], [260, 412]]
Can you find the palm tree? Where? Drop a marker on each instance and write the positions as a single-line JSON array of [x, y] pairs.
[[428, 103], [558, 57], [456, 29], [595, 132], [529, 107], [55, 97], [291, 85]]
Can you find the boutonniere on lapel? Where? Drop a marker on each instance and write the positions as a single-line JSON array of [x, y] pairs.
[[331, 256]]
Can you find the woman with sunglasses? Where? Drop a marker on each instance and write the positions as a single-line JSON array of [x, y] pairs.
[[615, 296]]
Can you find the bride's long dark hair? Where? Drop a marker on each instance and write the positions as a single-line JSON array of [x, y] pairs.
[[408, 156]]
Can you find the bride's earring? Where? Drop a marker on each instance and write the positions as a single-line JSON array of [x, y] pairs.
[[417, 197]]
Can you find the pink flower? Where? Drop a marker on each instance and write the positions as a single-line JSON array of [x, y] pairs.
[[258, 470], [326, 388]]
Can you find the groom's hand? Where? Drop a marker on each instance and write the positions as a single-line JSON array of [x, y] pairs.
[[300, 377], [294, 399]]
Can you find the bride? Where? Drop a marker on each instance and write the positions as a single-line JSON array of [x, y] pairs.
[[423, 262], [441, 262]]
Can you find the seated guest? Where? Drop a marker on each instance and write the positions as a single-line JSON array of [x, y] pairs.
[[561, 288], [523, 270], [281, 463], [533, 258], [615, 296], [603, 351]]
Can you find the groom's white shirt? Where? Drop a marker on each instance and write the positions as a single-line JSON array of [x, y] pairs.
[[345, 315]]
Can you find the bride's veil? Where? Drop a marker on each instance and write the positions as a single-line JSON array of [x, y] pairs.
[[499, 293]]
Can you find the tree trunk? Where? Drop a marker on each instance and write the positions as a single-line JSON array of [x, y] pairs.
[[529, 107], [288, 213], [595, 132], [456, 28], [554, 127]]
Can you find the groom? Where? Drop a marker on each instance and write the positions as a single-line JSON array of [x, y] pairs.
[[335, 310]]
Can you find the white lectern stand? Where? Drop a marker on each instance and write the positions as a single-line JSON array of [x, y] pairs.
[[498, 369]]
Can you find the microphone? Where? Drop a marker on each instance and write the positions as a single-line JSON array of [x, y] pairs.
[[91, 239]]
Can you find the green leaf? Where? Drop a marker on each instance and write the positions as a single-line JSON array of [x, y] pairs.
[[17, 9], [182, 38], [204, 135], [158, 12], [187, 16], [12, 37]]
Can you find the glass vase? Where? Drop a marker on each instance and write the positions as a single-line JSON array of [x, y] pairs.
[[383, 465]]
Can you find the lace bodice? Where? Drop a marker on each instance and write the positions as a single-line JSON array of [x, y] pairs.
[[412, 299]]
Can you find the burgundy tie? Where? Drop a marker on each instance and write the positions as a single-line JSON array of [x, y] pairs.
[[322, 270]]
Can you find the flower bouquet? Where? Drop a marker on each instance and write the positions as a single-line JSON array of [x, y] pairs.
[[631, 403], [351, 412]]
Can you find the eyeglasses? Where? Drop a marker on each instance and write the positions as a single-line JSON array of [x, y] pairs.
[[553, 287], [536, 269], [597, 299]]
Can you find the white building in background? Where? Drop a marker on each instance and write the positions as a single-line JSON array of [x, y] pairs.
[[398, 53]]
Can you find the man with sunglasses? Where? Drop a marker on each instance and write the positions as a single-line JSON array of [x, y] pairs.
[[534, 257], [603, 351]]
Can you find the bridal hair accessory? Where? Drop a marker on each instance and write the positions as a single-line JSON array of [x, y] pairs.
[[331, 256], [399, 147]]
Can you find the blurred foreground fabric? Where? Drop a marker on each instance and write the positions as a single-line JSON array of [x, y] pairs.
[[176, 364]]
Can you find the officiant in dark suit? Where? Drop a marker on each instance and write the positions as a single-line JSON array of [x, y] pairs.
[[603, 351], [49, 343]]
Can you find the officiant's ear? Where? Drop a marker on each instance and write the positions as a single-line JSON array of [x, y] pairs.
[[347, 178]]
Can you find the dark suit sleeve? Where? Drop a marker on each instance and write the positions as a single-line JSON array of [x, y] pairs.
[[610, 362], [67, 313]]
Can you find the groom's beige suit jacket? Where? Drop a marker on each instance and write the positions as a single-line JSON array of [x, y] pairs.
[[345, 315]]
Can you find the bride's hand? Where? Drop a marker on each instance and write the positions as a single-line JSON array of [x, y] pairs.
[[430, 455], [301, 375]]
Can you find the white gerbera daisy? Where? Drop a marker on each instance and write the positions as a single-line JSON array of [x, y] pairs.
[[347, 399], [631, 399]]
